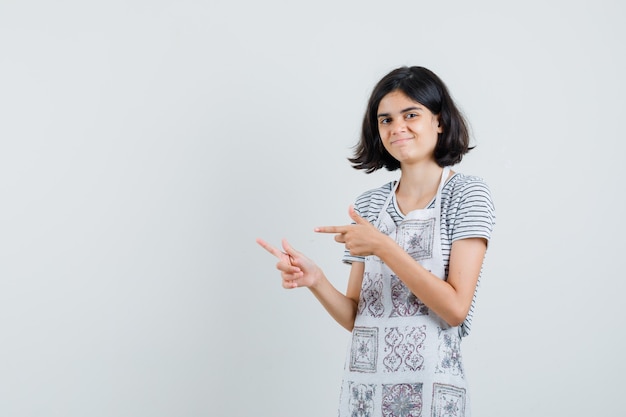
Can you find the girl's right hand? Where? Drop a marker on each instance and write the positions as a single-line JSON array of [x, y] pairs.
[[296, 270]]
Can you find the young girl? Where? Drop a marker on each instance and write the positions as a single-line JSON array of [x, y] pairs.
[[416, 248]]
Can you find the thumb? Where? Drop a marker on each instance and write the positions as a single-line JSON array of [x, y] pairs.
[[355, 216], [288, 249]]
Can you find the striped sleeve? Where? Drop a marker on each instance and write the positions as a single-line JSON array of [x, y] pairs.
[[475, 212]]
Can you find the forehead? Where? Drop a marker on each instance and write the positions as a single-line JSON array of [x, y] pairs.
[[398, 101]]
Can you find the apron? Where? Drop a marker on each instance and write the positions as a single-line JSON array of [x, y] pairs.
[[403, 360]]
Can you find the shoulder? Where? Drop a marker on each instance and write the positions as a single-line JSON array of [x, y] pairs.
[[377, 193], [369, 203], [464, 188], [467, 206]]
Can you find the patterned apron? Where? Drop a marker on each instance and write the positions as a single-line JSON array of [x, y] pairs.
[[403, 359]]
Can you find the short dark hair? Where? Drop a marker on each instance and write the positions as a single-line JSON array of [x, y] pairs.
[[425, 87]]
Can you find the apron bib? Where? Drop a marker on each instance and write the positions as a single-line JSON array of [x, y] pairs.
[[403, 360]]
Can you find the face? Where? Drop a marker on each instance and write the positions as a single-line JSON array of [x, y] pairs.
[[407, 128]]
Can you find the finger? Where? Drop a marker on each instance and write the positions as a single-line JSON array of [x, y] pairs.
[[288, 269], [291, 276], [289, 250], [341, 238], [331, 229], [287, 247], [290, 284], [291, 253], [271, 249], [355, 216]]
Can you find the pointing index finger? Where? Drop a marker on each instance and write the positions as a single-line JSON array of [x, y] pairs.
[[331, 229], [271, 249]]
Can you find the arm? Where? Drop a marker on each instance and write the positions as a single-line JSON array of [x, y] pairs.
[[299, 271], [341, 307], [450, 299]]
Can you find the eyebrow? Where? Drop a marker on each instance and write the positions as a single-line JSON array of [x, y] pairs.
[[402, 111]]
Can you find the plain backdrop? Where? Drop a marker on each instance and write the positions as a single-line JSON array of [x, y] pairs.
[[144, 145]]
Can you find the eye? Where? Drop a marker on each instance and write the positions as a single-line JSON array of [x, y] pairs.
[[384, 121], [410, 115]]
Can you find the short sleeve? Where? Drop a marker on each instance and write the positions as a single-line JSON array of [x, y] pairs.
[[475, 214], [347, 258]]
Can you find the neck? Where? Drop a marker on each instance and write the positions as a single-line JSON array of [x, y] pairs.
[[419, 179], [418, 186]]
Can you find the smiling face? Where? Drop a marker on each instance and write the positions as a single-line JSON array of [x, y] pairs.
[[408, 129]]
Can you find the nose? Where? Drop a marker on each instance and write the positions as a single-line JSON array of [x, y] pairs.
[[398, 125]]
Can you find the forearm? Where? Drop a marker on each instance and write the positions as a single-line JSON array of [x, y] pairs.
[[339, 306], [437, 294]]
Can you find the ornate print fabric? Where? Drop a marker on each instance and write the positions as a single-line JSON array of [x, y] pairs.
[[364, 350], [371, 298], [449, 353], [403, 360], [416, 237], [402, 400], [361, 402], [403, 349], [405, 400], [404, 302], [448, 401]]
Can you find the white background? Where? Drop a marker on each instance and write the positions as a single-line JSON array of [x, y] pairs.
[[146, 144]]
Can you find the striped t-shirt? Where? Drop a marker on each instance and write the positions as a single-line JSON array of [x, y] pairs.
[[467, 211]]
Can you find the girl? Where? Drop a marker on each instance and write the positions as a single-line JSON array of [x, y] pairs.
[[416, 248]]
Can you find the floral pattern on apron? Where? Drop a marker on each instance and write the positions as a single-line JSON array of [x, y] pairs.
[[403, 359]]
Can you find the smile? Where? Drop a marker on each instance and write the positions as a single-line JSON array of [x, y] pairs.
[[400, 141]]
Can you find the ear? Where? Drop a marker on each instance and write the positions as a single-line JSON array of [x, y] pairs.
[[439, 124]]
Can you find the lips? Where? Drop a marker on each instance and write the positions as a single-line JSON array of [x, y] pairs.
[[400, 141]]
